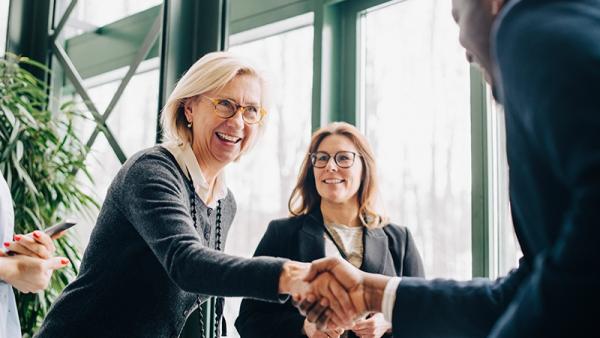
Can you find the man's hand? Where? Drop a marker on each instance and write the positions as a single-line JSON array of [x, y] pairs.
[[365, 290], [29, 274], [326, 289]]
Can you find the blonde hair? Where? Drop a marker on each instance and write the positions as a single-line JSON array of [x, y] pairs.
[[305, 198], [211, 72]]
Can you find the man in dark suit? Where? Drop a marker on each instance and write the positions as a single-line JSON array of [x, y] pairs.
[[542, 58]]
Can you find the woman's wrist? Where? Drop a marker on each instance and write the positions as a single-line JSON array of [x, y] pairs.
[[7, 267], [291, 279], [3, 267]]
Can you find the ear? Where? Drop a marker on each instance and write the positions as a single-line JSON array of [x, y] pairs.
[[187, 110], [497, 6]]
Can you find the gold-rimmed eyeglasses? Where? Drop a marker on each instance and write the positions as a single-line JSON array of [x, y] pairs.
[[227, 108]]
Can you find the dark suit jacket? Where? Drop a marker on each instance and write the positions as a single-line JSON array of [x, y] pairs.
[[389, 250], [548, 77]]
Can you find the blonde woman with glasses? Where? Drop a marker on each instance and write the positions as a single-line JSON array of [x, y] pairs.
[[333, 208], [155, 253]]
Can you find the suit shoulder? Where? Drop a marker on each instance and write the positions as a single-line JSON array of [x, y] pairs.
[[534, 24], [278, 238], [286, 223], [147, 164], [399, 231], [153, 158]]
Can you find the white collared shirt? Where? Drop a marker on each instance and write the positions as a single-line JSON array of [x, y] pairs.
[[185, 157], [9, 318]]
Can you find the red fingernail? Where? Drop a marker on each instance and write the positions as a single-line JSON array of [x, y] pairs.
[[6, 244], [36, 234], [17, 237], [64, 261]]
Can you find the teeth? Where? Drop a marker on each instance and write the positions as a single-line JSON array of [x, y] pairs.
[[229, 138], [333, 180]]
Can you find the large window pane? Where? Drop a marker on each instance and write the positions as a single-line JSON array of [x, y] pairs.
[[132, 123], [103, 164], [133, 120], [263, 179], [416, 113]]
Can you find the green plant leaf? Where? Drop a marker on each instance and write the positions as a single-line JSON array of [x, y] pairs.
[[40, 157], [19, 150]]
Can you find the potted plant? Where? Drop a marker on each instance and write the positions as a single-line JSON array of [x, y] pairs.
[[40, 157]]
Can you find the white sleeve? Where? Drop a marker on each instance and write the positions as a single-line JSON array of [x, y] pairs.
[[389, 298]]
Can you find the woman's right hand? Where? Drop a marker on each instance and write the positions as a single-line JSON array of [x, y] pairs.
[[29, 274], [311, 331]]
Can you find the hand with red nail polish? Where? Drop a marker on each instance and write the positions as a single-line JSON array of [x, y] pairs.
[[29, 274], [31, 264], [34, 244]]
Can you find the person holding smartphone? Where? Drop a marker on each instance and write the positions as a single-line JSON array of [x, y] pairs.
[[28, 268]]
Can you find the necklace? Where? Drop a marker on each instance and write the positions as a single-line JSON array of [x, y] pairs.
[[218, 302]]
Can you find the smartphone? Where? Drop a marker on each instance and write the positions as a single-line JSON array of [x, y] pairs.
[[56, 228]]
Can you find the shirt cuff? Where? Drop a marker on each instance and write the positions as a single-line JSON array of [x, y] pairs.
[[389, 298]]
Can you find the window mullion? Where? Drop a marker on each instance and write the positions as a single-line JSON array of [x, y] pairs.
[[480, 221]]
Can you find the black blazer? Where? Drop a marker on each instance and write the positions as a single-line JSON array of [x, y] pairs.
[[390, 250], [548, 58]]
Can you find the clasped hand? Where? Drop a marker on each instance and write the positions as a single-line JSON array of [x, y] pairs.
[[333, 294]]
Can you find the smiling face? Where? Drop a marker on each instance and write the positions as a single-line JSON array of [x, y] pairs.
[[335, 184], [217, 141]]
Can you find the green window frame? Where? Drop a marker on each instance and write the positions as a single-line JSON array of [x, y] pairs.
[[335, 76]]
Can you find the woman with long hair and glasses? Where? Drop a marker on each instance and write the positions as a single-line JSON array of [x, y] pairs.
[[334, 214]]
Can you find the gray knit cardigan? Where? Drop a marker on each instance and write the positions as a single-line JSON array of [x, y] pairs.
[[146, 266]]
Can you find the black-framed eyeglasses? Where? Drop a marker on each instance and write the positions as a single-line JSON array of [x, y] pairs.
[[226, 108], [343, 159]]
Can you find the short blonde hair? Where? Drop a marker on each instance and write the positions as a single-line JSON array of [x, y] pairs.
[[305, 198], [211, 72]]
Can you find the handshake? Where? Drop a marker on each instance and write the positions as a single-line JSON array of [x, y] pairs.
[[331, 292]]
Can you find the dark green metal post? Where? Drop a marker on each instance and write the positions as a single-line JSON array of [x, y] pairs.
[[27, 33], [191, 29], [480, 228]]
